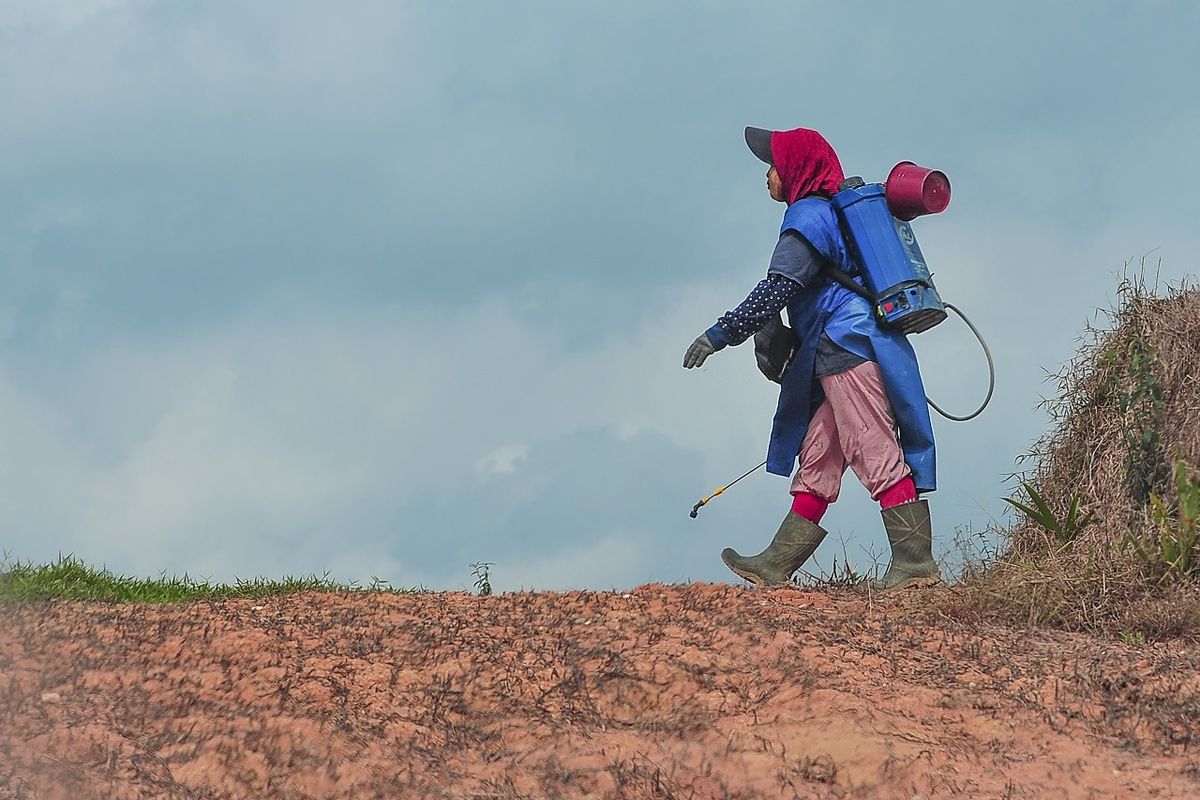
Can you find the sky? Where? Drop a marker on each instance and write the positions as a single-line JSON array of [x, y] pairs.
[[386, 289]]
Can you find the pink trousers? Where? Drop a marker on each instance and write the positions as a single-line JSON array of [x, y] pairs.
[[854, 427]]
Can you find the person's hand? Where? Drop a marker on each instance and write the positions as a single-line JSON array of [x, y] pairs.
[[701, 349]]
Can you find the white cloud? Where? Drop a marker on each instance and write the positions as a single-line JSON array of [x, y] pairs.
[[244, 448], [273, 445], [502, 461]]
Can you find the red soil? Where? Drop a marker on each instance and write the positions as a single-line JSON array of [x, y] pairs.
[[699, 691]]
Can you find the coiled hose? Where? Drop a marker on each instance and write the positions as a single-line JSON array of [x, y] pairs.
[[991, 372]]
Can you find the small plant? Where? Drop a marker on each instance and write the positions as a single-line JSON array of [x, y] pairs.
[[1133, 637], [845, 576], [1170, 547], [1063, 530], [481, 571]]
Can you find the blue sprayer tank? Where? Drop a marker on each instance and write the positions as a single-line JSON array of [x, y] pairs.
[[887, 254]]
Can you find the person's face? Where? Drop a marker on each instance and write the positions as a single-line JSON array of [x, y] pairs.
[[775, 184]]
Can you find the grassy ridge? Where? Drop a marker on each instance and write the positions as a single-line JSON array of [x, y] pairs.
[[1109, 539], [70, 579]]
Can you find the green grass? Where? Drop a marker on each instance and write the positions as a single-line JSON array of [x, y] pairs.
[[70, 579]]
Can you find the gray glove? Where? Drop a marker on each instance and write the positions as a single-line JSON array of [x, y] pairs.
[[701, 349], [773, 348]]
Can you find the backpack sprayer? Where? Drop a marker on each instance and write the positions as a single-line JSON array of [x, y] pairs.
[[875, 220]]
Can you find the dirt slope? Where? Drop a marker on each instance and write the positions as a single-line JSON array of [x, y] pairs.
[[699, 691]]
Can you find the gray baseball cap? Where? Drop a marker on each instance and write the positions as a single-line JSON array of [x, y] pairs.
[[759, 141]]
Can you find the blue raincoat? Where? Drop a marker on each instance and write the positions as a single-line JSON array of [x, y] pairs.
[[846, 317]]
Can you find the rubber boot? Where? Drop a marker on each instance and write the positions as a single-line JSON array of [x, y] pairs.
[[794, 542], [911, 536]]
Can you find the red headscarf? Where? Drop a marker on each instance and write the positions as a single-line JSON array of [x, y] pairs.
[[806, 164]]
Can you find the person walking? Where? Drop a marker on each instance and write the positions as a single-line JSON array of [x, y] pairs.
[[850, 390]]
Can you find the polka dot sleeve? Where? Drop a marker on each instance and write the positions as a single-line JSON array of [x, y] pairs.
[[769, 297]]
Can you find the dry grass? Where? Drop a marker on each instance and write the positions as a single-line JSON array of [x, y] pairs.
[[1124, 444]]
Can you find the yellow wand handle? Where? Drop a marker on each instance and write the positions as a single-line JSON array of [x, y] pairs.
[[721, 490]]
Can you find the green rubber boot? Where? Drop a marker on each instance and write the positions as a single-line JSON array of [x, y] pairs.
[[794, 542], [910, 533]]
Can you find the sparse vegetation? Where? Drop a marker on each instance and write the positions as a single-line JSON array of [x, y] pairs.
[[1108, 542], [841, 574], [68, 578]]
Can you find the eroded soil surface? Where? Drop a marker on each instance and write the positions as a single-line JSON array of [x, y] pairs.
[[698, 691]]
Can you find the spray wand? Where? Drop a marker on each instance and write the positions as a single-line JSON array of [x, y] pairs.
[[721, 489]]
